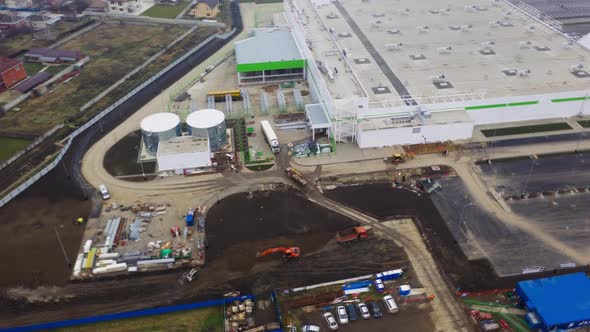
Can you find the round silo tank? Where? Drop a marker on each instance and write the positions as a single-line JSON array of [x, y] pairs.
[[159, 127], [208, 123]]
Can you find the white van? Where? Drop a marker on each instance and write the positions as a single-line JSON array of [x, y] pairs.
[[390, 304], [104, 192]]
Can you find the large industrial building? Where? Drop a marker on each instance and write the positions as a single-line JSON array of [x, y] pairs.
[[556, 303], [269, 55], [425, 71]]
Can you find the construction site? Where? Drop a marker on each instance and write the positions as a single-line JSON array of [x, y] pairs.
[[278, 178]]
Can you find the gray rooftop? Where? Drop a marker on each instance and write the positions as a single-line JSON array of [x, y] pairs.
[[267, 45], [317, 116]]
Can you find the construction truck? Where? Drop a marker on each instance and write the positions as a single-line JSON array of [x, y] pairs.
[[353, 234], [287, 252], [295, 175]]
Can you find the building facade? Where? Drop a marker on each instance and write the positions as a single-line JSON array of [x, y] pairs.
[[12, 72]]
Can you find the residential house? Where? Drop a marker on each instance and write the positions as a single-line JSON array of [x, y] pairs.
[[16, 4], [11, 73], [129, 6], [48, 55], [41, 22], [98, 6], [205, 9], [10, 21]]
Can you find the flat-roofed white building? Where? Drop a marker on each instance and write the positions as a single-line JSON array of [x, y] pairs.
[[184, 154]]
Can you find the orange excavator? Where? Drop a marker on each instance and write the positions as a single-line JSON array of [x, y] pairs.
[[288, 253]]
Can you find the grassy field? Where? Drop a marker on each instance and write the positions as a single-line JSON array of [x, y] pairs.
[[526, 129], [584, 123], [114, 50], [202, 320], [32, 68], [27, 41], [10, 146], [165, 11]]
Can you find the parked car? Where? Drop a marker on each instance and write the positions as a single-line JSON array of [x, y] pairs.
[[364, 310], [332, 325], [341, 315], [351, 312], [376, 310], [104, 193], [504, 325], [310, 328], [390, 304]]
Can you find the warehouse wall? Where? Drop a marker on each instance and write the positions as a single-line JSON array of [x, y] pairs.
[[406, 135]]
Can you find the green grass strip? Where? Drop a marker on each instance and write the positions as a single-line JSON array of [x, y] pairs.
[[479, 107], [562, 100], [488, 304], [515, 321], [520, 130]]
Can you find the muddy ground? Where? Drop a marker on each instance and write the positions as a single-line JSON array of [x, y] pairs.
[[384, 202], [238, 227], [29, 241], [121, 159]]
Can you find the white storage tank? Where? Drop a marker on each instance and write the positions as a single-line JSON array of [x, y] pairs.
[[208, 123], [159, 127]]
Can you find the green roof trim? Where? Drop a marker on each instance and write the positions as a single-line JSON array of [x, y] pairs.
[[520, 103], [260, 66], [561, 100]]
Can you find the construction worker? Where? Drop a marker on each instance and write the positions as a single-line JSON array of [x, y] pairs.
[[79, 221]]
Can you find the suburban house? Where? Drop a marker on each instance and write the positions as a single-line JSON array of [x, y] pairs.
[[11, 73], [129, 6], [48, 55], [9, 21], [41, 22], [98, 6], [16, 4], [206, 9]]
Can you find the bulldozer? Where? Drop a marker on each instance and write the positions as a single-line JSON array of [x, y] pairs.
[[288, 253], [398, 158]]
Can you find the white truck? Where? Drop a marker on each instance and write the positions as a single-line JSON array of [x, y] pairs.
[[270, 136]]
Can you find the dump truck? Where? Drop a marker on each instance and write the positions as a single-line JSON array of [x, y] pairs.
[[398, 158], [295, 175], [350, 235]]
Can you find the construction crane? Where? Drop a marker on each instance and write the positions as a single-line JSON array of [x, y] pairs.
[[288, 253]]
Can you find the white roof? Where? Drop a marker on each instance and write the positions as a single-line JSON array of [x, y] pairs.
[[267, 45], [205, 118], [466, 68], [159, 122], [185, 152]]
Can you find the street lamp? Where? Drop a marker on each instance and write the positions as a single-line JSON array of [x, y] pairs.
[[61, 244]]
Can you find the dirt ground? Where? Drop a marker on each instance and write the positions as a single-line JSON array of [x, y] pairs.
[[384, 201], [30, 240], [121, 159]]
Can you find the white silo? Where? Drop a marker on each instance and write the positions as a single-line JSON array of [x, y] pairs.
[[208, 123], [159, 127]]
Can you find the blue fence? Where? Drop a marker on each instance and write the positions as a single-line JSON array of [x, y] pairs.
[[128, 314]]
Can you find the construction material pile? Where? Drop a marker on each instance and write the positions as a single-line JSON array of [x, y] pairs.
[[238, 316]]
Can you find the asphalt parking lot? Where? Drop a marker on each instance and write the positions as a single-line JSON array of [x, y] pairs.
[[482, 235], [548, 173], [410, 318]]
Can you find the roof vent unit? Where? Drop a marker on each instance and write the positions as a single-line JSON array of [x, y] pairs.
[[530, 28], [424, 112], [332, 15], [375, 23], [488, 45], [494, 24], [404, 11], [394, 46], [523, 72], [495, 3], [507, 13], [379, 15], [444, 11], [576, 68], [466, 28], [568, 44], [423, 28], [444, 50], [525, 44], [393, 31], [470, 8], [441, 78]]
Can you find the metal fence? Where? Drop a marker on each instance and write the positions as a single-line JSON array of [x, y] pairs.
[[30, 146], [157, 19], [22, 187]]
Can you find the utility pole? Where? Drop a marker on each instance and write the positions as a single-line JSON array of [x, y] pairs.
[[61, 244], [526, 182]]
